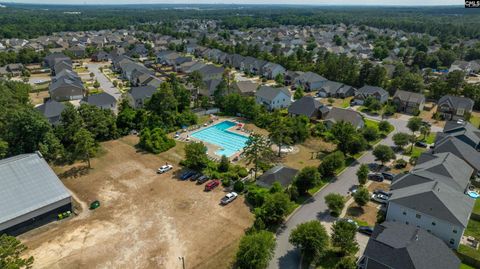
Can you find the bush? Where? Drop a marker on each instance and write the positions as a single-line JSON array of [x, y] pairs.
[[239, 186], [155, 141], [370, 133], [400, 163], [362, 196], [384, 126], [255, 250], [226, 182], [256, 195]]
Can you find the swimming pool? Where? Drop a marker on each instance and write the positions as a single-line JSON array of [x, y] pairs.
[[229, 142]]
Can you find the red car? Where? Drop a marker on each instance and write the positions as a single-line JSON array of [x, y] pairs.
[[212, 184]]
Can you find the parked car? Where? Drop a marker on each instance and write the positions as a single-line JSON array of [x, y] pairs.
[[164, 168], [187, 175], [376, 177], [378, 191], [421, 144], [202, 179], [380, 198], [373, 166], [351, 221], [365, 230], [212, 184], [195, 177], [388, 176], [229, 198]]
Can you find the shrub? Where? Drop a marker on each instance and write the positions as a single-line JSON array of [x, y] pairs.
[[155, 141], [362, 196], [239, 186]]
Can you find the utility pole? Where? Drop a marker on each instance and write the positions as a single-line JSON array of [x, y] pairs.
[[183, 261]]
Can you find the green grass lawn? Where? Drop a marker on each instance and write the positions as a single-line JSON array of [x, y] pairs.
[[473, 229], [468, 251], [475, 121], [415, 153], [464, 266], [430, 138], [476, 207]]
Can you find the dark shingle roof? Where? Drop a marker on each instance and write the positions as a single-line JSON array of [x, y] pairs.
[[401, 246], [436, 199], [340, 114], [281, 174], [457, 102], [142, 92], [51, 109], [368, 90], [411, 97], [101, 99], [306, 105], [270, 93], [460, 149]]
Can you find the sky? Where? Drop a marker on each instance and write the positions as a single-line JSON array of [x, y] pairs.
[[309, 2]]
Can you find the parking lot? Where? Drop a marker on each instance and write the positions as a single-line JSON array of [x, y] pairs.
[[145, 220]]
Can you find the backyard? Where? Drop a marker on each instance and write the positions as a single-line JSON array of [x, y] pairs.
[[165, 217]]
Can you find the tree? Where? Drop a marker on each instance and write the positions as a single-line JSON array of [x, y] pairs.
[[372, 104], [414, 124], [361, 196], [85, 145], [384, 126], [362, 174], [346, 263], [425, 130], [299, 93], [335, 203], [96, 84], [280, 79], [331, 163], [155, 141], [224, 164], [306, 179], [92, 75], [196, 156], [275, 208], [255, 250], [383, 153], [279, 132], [370, 133], [258, 151], [3, 149], [343, 237], [312, 239], [401, 139], [343, 133], [100, 122], [11, 254]]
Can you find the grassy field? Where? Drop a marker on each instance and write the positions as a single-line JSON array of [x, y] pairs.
[[430, 139], [473, 229], [475, 120], [415, 153], [465, 266]]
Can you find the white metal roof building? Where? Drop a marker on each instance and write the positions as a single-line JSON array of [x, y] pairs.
[[29, 189]]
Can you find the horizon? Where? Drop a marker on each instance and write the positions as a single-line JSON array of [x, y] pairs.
[[346, 3]]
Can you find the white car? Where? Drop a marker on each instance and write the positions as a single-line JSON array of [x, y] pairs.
[[164, 168], [380, 198], [229, 198]]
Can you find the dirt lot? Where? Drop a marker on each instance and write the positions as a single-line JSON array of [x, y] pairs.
[[145, 220]]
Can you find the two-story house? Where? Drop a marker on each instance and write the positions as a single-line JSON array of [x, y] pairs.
[[273, 98], [454, 107], [408, 102], [370, 91]]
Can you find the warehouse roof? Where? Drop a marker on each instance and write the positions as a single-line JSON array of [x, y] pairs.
[[28, 184]]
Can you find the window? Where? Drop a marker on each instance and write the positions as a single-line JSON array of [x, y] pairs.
[[418, 216], [460, 111], [452, 241], [433, 224], [406, 222], [404, 213], [454, 231]]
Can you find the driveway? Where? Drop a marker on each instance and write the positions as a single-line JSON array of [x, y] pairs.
[[105, 84], [286, 256]]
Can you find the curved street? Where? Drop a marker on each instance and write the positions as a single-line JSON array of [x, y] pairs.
[[286, 256]]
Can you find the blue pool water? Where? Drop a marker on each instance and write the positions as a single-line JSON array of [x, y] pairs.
[[218, 134]]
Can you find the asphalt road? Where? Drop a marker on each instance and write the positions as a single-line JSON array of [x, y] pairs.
[[286, 256], [105, 84]]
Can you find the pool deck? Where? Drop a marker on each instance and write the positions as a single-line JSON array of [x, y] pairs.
[[186, 136]]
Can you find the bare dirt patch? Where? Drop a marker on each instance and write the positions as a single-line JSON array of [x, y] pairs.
[[367, 213], [307, 153], [145, 220]]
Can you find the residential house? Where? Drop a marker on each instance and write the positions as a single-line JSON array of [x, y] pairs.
[[65, 89], [468, 68], [335, 89], [341, 114], [100, 56], [53, 58], [460, 149], [209, 87], [51, 110], [15, 69], [273, 98], [464, 131], [454, 107], [272, 70], [309, 81], [281, 174], [409, 102], [211, 71], [432, 197], [395, 245], [370, 91], [102, 100], [137, 96], [309, 107], [245, 87]]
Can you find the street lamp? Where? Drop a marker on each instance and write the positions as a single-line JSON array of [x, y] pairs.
[[183, 261]]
